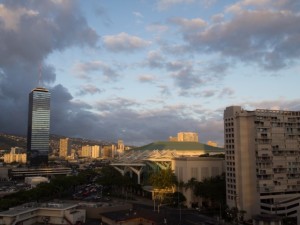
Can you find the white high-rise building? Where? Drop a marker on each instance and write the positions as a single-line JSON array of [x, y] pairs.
[[262, 153]]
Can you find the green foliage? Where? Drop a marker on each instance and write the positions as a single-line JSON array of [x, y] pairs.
[[58, 187], [175, 199], [163, 179], [213, 188]]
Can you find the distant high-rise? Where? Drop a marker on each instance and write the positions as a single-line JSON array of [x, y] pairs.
[[38, 127], [262, 157], [64, 147], [187, 136]]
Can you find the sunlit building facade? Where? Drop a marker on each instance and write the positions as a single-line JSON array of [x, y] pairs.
[[187, 136], [38, 127], [262, 153], [64, 147]]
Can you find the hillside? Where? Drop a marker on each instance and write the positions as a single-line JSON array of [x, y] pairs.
[[10, 140]]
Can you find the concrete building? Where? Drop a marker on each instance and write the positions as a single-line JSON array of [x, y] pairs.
[[44, 213], [64, 147], [262, 161], [200, 168]]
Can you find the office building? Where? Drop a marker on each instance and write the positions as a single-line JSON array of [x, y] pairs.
[[64, 147], [263, 161], [38, 127]]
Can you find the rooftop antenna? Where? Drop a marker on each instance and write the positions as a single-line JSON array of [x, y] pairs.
[[40, 75]]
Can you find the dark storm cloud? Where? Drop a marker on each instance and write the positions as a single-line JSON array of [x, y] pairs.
[[144, 127], [71, 118], [29, 32]]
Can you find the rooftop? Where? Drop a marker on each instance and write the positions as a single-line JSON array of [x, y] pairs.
[[32, 206], [178, 145]]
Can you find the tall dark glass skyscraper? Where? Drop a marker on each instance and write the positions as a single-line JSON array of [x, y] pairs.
[[38, 127]]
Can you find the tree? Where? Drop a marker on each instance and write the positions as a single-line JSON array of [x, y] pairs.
[[213, 189], [175, 199], [163, 179], [163, 183]]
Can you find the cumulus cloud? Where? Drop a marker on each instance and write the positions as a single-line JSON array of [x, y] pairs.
[[84, 70], [226, 92], [253, 34], [124, 42], [189, 25], [157, 27], [155, 59], [88, 89], [146, 78], [278, 104], [165, 4]]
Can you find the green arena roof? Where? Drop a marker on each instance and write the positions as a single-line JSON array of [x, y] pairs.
[[178, 145]]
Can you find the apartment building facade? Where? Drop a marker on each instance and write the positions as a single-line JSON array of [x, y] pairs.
[[262, 149]]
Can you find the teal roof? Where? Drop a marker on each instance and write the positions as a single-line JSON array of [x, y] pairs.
[[174, 145]]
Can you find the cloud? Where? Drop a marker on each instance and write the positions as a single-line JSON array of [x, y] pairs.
[[226, 92], [146, 78], [278, 104], [165, 4], [88, 89], [189, 25], [84, 70], [208, 93], [155, 59], [30, 32], [124, 42], [164, 90], [157, 27], [269, 38]]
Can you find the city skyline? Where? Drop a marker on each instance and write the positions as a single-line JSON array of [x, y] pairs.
[[143, 71]]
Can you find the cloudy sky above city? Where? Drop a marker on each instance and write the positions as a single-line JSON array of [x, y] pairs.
[[144, 70]]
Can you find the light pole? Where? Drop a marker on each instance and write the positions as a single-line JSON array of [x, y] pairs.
[[179, 205]]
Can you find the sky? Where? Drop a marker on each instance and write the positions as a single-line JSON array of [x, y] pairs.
[[141, 70]]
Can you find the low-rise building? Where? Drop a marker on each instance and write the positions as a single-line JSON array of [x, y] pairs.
[[46, 213]]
